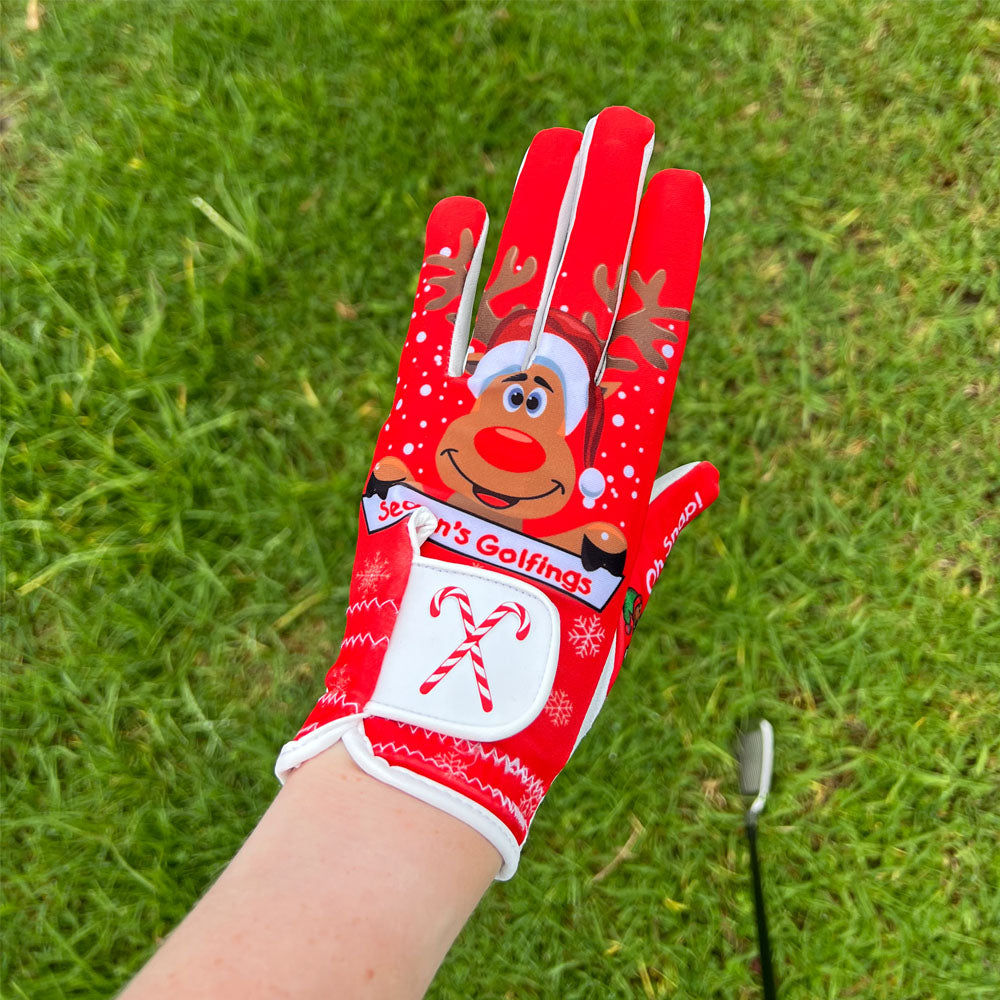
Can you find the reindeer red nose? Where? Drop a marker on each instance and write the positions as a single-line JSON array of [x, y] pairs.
[[509, 449]]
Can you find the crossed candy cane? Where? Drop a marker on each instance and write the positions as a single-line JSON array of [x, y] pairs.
[[473, 635]]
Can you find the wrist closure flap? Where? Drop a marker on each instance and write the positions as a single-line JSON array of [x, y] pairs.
[[473, 653]]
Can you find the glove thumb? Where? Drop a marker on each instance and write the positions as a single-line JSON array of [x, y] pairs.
[[677, 499]]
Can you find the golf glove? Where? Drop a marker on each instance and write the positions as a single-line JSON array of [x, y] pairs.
[[512, 525]]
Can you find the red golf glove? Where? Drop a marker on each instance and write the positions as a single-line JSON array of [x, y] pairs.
[[512, 526]]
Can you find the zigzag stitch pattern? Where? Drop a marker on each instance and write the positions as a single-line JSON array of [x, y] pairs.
[[361, 638], [371, 602], [495, 793], [510, 765], [336, 698]]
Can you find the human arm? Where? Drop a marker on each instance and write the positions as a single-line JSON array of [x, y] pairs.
[[347, 887]]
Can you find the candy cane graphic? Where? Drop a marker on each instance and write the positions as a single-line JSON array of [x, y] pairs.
[[473, 635]]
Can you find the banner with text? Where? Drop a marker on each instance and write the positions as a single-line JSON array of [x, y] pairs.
[[477, 538]]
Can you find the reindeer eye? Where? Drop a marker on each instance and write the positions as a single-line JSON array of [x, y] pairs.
[[535, 403], [513, 397]]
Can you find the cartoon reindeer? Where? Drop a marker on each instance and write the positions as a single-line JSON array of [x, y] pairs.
[[507, 459]]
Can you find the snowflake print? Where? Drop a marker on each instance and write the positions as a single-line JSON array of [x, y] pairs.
[[452, 764], [559, 708], [337, 679], [587, 635], [531, 799], [373, 573]]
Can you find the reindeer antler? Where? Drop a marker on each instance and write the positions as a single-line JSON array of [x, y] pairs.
[[639, 328], [607, 292], [509, 277], [451, 285]]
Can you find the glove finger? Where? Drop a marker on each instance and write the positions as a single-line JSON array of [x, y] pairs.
[[650, 332], [613, 157], [531, 246], [446, 290], [626, 424]]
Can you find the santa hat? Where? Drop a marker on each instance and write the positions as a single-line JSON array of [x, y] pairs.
[[573, 352]]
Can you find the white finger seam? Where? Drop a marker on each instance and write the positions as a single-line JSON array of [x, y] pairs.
[[463, 318]]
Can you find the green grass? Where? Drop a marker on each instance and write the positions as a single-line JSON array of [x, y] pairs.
[[189, 410]]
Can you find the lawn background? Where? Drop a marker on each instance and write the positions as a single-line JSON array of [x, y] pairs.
[[191, 395]]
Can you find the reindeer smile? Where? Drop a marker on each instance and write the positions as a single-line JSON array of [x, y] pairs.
[[490, 498]]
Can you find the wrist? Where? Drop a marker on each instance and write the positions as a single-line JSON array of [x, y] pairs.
[[344, 880]]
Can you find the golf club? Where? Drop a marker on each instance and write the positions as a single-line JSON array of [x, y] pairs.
[[756, 760]]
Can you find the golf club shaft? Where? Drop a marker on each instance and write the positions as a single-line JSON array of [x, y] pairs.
[[766, 970]]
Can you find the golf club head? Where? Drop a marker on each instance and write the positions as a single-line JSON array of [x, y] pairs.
[[755, 753]]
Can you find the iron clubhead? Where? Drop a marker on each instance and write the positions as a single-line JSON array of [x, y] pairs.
[[756, 759]]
